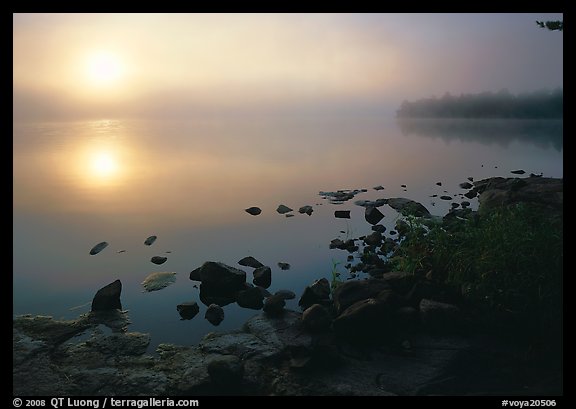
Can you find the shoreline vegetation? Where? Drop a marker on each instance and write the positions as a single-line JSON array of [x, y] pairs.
[[465, 304], [543, 104]]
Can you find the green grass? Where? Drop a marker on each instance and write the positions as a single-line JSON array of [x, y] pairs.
[[508, 260]]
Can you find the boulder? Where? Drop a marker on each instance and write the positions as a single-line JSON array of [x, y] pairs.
[[316, 318], [351, 292], [221, 277], [250, 261], [316, 293], [250, 298], [274, 306], [408, 207], [263, 277], [188, 310], [373, 215], [108, 297], [214, 314]]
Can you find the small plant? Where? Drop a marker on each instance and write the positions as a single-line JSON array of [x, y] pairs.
[[335, 275]]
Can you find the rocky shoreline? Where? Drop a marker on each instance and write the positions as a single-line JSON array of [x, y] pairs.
[[391, 334]]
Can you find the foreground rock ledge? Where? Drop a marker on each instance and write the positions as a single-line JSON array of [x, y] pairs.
[[95, 355]]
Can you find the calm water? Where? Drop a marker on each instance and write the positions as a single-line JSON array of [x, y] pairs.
[[188, 182]]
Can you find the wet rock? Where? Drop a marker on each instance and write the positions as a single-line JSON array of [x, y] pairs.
[[439, 317], [158, 259], [263, 277], [108, 297], [254, 211], [379, 187], [408, 207], [214, 314], [518, 172], [316, 293], [250, 261], [471, 194], [283, 266], [188, 310], [150, 240], [158, 281], [350, 292], [342, 214], [226, 371], [282, 209], [98, 248], [221, 277], [250, 298], [286, 294], [466, 185], [540, 191], [446, 197], [306, 209], [274, 305], [316, 318], [373, 215]]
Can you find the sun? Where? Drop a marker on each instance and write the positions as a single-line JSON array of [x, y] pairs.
[[104, 68], [103, 164]]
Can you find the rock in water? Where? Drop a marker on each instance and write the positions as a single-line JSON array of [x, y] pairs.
[[263, 277], [220, 277], [306, 209], [157, 281], [518, 172], [158, 259], [373, 215], [150, 240], [283, 266], [214, 314], [188, 310], [342, 214], [283, 209], [254, 211], [250, 261], [108, 298], [98, 248], [466, 185]]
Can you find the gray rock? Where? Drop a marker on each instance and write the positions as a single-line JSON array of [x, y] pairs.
[[306, 209], [379, 228], [226, 371], [373, 215], [98, 248], [471, 194], [150, 240], [250, 261], [283, 266], [158, 259], [108, 297], [379, 187], [188, 310], [282, 209], [466, 185], [518, 172], [373, 239], [214, 314], [263, 277], [195, 274], [254, 211], [316, 318], [159, 280], [446, 197]]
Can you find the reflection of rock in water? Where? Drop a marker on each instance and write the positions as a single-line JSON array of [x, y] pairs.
[[541, 133]]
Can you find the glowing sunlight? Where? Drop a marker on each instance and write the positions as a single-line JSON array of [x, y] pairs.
[[104, 69]]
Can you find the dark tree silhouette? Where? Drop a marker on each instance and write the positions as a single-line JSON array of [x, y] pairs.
[[551, 25]]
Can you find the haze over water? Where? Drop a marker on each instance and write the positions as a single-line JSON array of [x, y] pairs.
[[171, 125]]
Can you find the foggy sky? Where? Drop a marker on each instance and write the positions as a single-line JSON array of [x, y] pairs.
[[199, 64]]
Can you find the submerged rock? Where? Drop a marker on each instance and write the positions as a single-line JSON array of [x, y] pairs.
[[98, 248], [158, 259], [158, 281], [188, 310], [150, 240], [254, 211], [283, 266], [108, 297]]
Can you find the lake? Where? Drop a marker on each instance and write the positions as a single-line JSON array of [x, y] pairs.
[[188, 182]]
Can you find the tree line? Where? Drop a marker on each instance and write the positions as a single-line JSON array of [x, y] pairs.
[[503, 104]]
